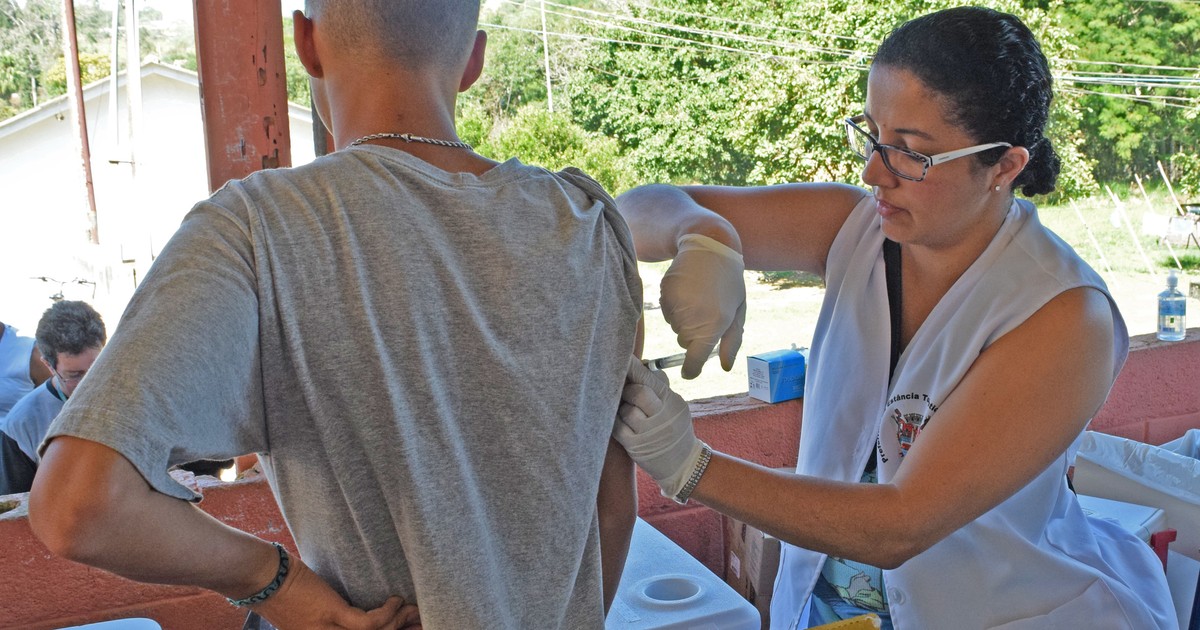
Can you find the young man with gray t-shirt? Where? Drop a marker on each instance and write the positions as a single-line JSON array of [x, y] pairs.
[[425, 347]]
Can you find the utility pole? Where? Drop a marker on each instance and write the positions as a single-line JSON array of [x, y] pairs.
[[546, 56], [114, 65], [78, 116], [133, 84]]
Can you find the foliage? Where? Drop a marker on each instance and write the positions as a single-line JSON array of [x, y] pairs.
[[92, 67], [728, 92], [513, 72], [1130, 128], [753, 92], [32, 66], [31, 43], [1189, 262], [298, 88], [1185, 174], [790, 279], [551, 140]]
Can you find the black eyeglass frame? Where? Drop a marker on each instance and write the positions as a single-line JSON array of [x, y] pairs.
[[873, 145]]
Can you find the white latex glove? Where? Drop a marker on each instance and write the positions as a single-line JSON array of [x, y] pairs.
[[655, 427], [703, 297]]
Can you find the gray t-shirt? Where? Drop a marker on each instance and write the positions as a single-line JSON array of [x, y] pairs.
[[429, 362]]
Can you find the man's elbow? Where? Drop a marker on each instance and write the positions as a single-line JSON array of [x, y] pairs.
[[70, 507]]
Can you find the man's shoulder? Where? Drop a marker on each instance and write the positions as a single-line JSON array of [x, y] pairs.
[[35, 398], [30, 407]]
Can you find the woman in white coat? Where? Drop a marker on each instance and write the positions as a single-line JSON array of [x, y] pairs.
[[960, 352]]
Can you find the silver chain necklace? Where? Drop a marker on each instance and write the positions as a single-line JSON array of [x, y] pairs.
[[408, 137]]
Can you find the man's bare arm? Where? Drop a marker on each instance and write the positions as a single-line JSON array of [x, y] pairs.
[[91, 505], [617, 506]]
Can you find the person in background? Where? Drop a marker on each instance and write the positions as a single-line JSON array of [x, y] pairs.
[[69, 337], [21, 369], [960, 352], [376, 326]]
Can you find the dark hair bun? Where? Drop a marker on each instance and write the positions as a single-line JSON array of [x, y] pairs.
[[1041, 173]]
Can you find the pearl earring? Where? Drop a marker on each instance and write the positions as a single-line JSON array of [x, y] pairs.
[[997, 188]]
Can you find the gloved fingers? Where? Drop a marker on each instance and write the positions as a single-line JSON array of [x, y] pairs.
[[656, 380], [647, 435], [731, 341], [697, 353], [630, 414], [642, 399]]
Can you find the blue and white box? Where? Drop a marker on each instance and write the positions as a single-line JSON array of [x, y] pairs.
[[778, 375]]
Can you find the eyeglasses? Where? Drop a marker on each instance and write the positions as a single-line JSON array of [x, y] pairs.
[[69, 378], [902, 162]]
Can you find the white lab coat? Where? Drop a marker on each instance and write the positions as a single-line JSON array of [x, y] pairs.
[[1035, 560]]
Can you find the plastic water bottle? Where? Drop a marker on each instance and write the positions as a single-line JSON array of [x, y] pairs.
[[1172, 309]]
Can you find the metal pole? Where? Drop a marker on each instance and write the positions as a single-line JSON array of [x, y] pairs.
[[546, 57], [114, 65], [133, 84], [1167, 238], [1132, 232], [1095, 243], [79, 114], [1167, 180]]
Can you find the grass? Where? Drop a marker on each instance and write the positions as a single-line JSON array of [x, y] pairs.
[[783, 311], [1117, 242]]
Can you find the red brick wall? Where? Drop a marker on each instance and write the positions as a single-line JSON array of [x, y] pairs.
[[41, 592], [1156, 399]]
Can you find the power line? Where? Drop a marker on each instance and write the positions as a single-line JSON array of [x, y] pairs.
[[771, 27], [692, 47], [620, 22], [852, 59], [703, 44], [792, 44], [1146, 100]]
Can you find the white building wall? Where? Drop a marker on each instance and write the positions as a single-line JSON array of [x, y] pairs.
[[43, 208]]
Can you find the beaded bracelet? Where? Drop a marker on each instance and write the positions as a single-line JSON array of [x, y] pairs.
[[270, 589], [697, 472]]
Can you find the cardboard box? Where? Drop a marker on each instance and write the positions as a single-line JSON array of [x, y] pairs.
[[751, 564], [778, 375]]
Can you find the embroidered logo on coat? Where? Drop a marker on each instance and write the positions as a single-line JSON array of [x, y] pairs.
[[908, 427]]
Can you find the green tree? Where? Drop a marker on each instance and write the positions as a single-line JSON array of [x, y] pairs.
[[298, 88], [551, 140], [753, 91], [92, 67], [513, 73], [1132, 115], [32, 66]]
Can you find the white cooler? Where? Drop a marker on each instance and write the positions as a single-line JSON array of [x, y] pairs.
[[663, 587]]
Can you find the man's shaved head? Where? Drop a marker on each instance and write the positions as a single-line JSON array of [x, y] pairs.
[[414, 33]]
